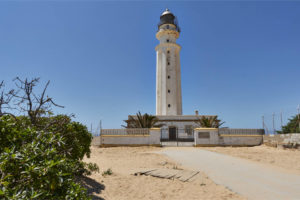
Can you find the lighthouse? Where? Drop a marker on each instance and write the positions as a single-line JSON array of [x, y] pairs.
[[168, 78], [173, 124]]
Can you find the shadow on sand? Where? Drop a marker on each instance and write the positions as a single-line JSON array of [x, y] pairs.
[[92, 186]]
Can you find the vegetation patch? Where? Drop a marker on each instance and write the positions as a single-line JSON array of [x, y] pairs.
[[40, 154], [108, 172]]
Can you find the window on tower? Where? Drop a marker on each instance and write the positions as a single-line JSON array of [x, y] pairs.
[[168, 77], [168, 51], [169, 91], [168, 63], [169, 105], [168, 40]]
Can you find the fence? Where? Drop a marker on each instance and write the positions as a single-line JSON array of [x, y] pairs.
[[239, 131], [129, 131]]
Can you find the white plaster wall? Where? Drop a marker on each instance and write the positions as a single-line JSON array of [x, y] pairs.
[[243, 140], [154, 136], [216, 139], [212, 140], [152, 139], [129, 140]]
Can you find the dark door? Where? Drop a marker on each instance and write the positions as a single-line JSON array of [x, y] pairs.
[[172, 133]]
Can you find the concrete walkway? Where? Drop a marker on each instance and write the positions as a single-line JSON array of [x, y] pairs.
[[252, 180]]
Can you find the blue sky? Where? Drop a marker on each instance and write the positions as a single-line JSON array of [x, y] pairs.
[[239, 59]]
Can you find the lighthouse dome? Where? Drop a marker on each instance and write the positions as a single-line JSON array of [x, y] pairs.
[[167, 17], [167, 11]]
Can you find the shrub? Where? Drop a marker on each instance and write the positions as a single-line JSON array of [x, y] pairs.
[[39, 164], [77, 138], [107, 172], [40, 154]]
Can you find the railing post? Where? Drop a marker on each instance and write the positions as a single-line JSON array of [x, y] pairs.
[[177, 135], [161, 130]]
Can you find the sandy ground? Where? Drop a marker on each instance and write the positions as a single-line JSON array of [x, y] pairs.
[[122, 184], [287, 159]]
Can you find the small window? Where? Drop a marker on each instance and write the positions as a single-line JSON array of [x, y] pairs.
[[169, 91], [188, 129], [168, 40], [168, 51], [168, 63], [168, 77], [169, 105]]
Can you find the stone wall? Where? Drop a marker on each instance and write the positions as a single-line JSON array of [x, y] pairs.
[[288, 140]]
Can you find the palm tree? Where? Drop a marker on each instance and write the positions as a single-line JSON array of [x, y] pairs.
[[209, 122], [141, 121]]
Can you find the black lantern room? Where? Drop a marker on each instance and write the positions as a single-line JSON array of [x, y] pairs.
[[168, 18]]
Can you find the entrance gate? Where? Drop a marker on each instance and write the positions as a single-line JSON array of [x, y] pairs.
[[176, 135]]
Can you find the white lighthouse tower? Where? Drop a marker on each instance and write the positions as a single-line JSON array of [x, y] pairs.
[[168, 79], [174, 126]]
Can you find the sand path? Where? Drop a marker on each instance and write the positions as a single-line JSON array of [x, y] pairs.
[[250, 179]]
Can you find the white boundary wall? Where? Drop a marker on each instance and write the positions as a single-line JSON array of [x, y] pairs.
[[202, 137], [152, 139], [211, 137]]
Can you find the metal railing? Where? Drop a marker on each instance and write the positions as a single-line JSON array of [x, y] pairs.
[[240, 131], [128, 131]]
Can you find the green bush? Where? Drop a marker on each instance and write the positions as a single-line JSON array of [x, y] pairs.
[[77, 138], [14, 133], [41, 162]]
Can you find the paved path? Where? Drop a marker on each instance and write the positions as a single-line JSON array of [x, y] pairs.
[[252, 180]]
